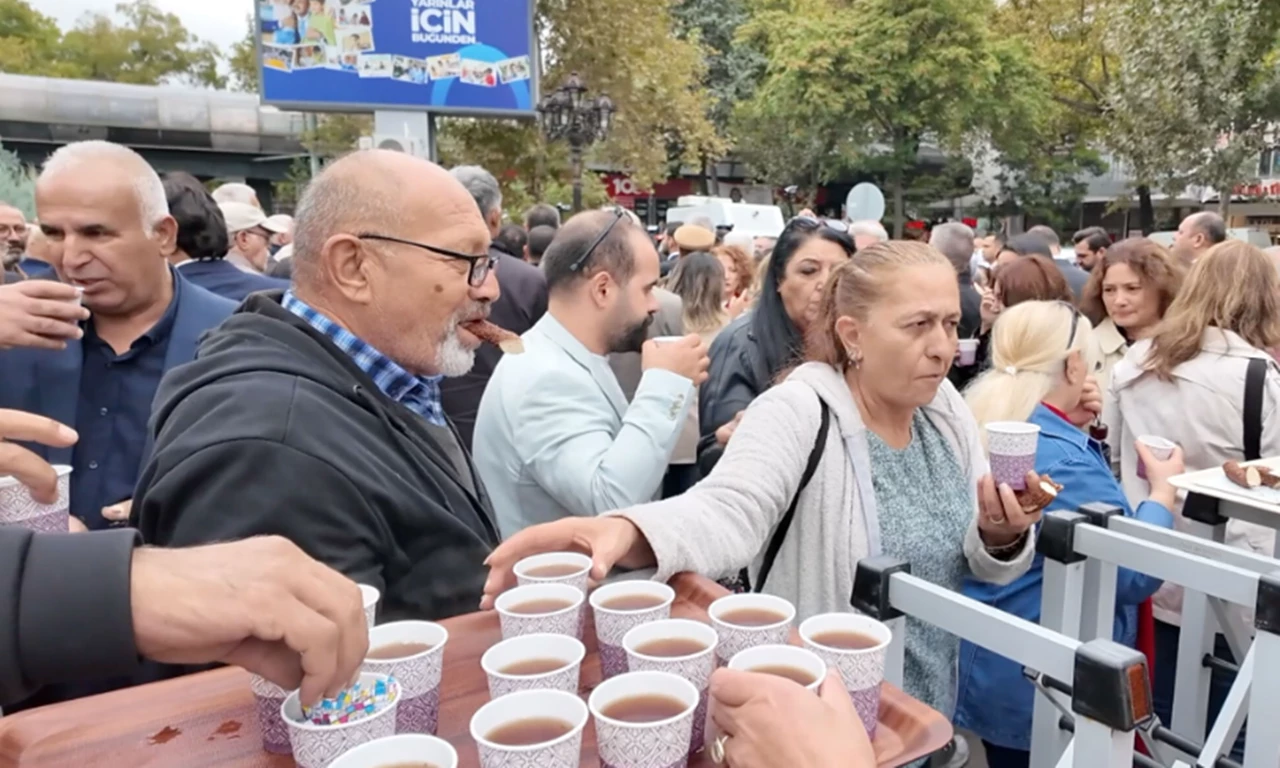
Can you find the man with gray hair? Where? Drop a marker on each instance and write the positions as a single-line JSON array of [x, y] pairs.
[[97, 369], [1197, 234], [521, 302], [956, 242], [344, 447], [868, 233]]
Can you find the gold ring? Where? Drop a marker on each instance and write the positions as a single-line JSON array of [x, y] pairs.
[[717, 749]]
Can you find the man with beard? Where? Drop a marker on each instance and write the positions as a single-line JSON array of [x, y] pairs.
[[13, 228], [315, 414], [555, 435]]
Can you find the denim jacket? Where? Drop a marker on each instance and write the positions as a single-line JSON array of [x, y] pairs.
[[994, 700]]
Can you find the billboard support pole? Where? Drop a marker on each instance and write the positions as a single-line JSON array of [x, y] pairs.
[[433, 150]]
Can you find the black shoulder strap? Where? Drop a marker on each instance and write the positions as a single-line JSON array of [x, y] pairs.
[[779, 535], [1254, 380]]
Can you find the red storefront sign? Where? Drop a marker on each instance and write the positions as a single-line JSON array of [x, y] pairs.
[[1271, 189], [622, 189]]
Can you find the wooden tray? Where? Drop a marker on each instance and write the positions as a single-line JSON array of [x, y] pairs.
[[208, 719]]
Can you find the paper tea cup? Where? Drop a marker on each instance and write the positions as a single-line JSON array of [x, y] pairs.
[[695, 667], [861, 669], [968, 352], [532, 648], [268, 699], [418, 674], [563, 751], [17, 508], [566, 620], [762, 658], [569, 568], [370, 596], [1012, 445], [1160, 448], [405, 749], [655, 744], [316, 746], [735, 637], [620, 607]]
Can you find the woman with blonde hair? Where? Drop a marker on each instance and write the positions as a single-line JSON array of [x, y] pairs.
[[874, 414], [1205, 381], [1038, 374]]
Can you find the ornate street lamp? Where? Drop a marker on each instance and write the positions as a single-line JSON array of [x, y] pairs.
[[566, 113]]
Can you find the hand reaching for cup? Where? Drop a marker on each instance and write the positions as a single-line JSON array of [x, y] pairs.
[[608, 540], [31, 470], [767, 721], [686, 357], [41, 314], [1159, 471]]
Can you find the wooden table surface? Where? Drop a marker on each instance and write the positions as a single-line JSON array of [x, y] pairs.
[[208, 719]]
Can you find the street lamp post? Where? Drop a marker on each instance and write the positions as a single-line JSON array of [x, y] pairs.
[[566, 113]]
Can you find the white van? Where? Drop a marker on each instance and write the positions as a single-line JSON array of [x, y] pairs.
[[754, 220]]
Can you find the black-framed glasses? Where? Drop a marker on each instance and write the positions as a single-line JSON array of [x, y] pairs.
[[618, 215], [480, 265]]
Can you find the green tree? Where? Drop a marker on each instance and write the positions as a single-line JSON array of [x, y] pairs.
[[17, 184], [243, 60], [1196, 112], [146, 46], [29, 40], [868, 83]]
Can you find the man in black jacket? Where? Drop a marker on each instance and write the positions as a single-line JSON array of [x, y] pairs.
[[261, 603], [316, 415], [522, 303]]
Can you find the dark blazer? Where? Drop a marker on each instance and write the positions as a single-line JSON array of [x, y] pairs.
[[1075, 276], [227, 280], [48, 383], [522, 303]]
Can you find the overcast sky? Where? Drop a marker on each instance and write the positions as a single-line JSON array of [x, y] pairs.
[[221, 22]]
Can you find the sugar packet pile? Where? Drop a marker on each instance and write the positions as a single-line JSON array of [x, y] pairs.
[[356, 703]]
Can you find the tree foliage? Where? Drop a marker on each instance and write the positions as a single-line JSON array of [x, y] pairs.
[[1196, 112], [140, 44], [17, 184], [242, 61]]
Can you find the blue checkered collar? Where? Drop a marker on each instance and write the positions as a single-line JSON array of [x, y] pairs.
[[420, 394]]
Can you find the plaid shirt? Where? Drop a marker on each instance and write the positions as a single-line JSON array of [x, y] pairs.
[[420, 394]]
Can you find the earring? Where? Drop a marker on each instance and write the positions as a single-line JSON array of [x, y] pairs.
[[855, 357]]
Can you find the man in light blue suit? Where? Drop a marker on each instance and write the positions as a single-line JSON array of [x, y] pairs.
[[555, 435]]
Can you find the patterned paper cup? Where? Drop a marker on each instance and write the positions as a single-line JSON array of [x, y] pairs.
[[762, 658], [559, 621], [316, 746], [968, 349], [555, 568], [407, 749], [695, 667], [1160, 448], [19, 509], [735, 637], [530, 648], [1012, 445], [657, 744], [861, 669], [616, 615], [564, 751], [370, 596], [417, 674], [268, 698]]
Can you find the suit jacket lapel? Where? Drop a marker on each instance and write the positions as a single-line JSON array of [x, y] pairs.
[[597, 366]]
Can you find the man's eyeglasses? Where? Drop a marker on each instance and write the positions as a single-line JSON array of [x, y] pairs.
[[618, 215], [481, 265]]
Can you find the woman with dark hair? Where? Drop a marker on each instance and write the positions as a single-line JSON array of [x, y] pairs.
[[699, 282], [750, 353]]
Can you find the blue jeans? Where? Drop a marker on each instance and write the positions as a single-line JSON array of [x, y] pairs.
[[1167, 672]]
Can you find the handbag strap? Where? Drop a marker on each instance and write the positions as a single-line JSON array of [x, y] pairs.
[[815, 457], [1254, 380]]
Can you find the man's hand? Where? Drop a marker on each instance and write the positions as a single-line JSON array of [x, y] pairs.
[[261, 604], [31, 470], [39, 313], [118, 513], [686, 357]]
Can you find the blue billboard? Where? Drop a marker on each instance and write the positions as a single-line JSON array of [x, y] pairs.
[[461, 57]]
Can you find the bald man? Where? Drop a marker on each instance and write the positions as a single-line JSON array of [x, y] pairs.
[[343, 446], [1197, 234]]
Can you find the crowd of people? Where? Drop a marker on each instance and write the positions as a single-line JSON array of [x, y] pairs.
[[763, 411]]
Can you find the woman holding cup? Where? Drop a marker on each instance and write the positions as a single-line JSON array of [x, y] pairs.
[[1038, 374], [899, 470]]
